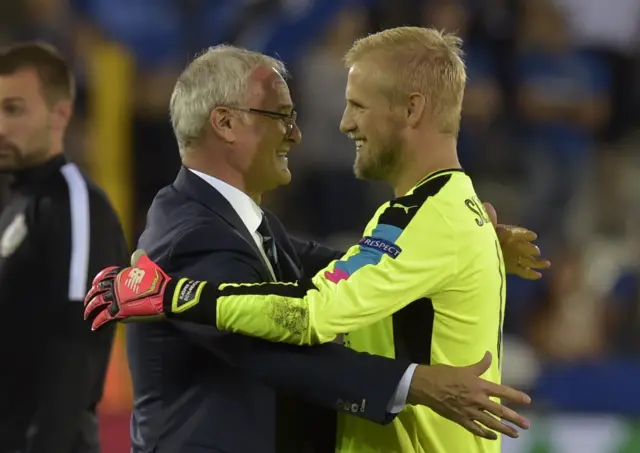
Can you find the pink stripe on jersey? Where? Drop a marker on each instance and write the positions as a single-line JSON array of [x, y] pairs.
[[336, 275]]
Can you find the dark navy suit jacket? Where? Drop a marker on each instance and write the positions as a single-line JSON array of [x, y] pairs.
[[199, 390]]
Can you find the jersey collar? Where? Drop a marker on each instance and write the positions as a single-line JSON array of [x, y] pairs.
[[29, 177], [438, 173]]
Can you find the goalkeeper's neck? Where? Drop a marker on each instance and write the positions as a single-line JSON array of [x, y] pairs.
[[437, 153]]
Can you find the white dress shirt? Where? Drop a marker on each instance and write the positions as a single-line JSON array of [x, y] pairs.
[[251, 215], [247, 209]]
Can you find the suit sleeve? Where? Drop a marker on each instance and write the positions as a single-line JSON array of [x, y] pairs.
[[328, 375], [314, 256], [402, 261], [75, 358]]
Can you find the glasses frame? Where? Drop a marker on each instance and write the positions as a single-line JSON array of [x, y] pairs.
[[289, 119]]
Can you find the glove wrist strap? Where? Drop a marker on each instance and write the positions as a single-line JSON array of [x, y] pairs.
[[182, 296]]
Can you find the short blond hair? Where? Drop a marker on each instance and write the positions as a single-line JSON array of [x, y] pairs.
[[420, 60], [218, 76]]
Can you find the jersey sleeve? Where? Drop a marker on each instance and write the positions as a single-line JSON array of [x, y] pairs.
[[408, 254]]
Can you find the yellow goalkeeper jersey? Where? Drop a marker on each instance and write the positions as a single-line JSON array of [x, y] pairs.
[[426, 282]]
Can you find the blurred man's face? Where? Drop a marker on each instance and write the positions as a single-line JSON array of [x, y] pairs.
[[264, 141], [371, 122], [25, 121]]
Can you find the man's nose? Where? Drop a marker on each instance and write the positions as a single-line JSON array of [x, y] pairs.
[[296, 135], [346, 124]]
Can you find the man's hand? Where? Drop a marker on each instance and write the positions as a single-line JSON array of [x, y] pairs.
[[134, 293], [460, 395], [521, 256]]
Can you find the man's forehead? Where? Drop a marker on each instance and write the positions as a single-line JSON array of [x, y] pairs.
[[364, 71], [358, 78], [267, 86], [23, 83], [370, 86]]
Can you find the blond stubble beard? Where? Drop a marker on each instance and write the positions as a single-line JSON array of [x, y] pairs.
[[380, 164]]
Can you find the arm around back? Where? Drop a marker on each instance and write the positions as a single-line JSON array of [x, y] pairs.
[[314, 256]]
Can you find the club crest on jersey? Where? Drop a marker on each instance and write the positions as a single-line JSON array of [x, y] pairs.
[[13, 236], [380, 245]]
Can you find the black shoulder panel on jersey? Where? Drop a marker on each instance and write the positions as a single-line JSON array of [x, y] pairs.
[[401, 210]]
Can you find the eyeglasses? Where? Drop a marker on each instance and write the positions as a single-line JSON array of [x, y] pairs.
[[289, 119]]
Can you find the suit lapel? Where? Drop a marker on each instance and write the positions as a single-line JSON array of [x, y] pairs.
[[289, 270], [202, 192]]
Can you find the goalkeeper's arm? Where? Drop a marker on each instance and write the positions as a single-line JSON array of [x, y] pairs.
[[380, 278], [377, 278]]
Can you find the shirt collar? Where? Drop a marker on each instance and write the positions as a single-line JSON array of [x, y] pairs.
[[32, 176], [247, 209]]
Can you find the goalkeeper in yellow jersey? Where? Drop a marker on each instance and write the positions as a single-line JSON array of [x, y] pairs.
[[427, 280]]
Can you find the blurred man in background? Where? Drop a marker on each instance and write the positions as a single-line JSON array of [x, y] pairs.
[[59, 225]]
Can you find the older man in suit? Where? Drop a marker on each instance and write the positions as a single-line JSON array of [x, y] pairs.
[[198, 390]]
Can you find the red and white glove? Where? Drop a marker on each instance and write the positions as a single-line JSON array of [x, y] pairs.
[[135, 293]]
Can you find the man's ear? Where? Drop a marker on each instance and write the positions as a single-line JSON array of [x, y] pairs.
[[223, 124], [416, 108], [62, 112]]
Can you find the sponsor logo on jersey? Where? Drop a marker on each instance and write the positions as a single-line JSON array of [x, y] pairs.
[[381, 245]]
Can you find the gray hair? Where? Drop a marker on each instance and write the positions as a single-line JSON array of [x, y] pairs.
[[218, 76]]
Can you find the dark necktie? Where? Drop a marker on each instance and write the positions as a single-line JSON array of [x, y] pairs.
[[269, 246]]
